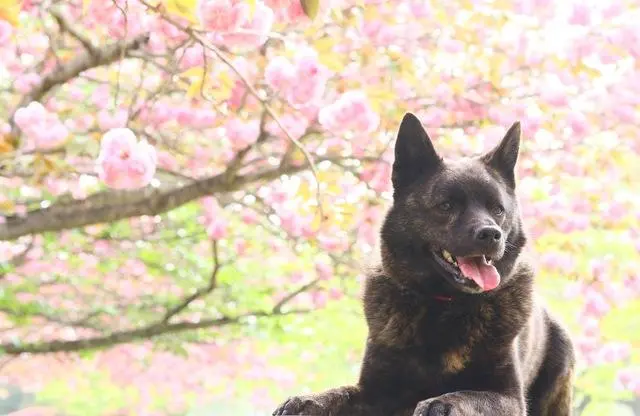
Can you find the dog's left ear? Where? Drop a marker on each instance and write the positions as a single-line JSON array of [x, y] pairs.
[[504, 156], [415, 154]]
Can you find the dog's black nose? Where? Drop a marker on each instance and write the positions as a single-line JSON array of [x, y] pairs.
[[489, 235]]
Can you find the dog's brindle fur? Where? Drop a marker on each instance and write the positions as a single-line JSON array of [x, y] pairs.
[[437, 347]]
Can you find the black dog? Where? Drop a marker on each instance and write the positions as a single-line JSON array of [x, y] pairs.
[[454, 327]]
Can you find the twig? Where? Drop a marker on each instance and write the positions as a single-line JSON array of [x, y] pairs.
[[123, 53], [66, 26], [288, 298], [198, 293]]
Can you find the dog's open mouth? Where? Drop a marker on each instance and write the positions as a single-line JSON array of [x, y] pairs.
[[472, 269]]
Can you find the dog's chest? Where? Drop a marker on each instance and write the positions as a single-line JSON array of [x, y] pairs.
[[437, 338]]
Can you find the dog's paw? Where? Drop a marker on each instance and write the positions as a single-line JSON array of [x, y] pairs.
[[433, 407], [300, 405]]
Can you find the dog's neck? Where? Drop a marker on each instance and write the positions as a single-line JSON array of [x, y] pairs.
[[437, 291]]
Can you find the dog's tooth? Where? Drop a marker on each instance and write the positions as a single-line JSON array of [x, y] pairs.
[[447, 256]]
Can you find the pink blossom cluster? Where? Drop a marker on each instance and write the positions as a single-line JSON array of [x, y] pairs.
[[6, 31], [235, 22], [26, 82], [124, 162], [41, 126], [121, 18], [222, 15], [241, 133], [629, 379], [108, 120], [301, 82], [351, 111], [214, 219], [162, 113], [295, 125], [289, 10]]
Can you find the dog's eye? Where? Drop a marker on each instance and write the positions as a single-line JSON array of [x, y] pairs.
[[445, 206], [498, 210]]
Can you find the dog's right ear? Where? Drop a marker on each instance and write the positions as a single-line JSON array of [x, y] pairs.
[[415, 154]]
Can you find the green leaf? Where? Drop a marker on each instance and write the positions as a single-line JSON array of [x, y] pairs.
[[310, 8]]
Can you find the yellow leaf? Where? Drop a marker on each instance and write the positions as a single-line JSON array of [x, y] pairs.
[[305, 192], [5, 144], [457, 86], [225, 79], [7, 205], [495, 74], [310, 7], [466, 4], [316, 222], [442, 16], [183, 8], [220, 87], [252, 8], [194, 80], [197, 85], [10, 10], [324, 44], [331, 61], [219, 94], [371, 13], [48, 164], [379, 96]]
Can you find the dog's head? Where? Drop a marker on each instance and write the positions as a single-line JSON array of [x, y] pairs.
[[454, 225]]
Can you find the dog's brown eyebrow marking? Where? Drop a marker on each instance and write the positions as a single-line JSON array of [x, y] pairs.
[[455, 361]]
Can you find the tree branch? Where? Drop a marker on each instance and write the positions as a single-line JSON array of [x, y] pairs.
[[109, 206], [66, 26], [102, 56], [132, 335]]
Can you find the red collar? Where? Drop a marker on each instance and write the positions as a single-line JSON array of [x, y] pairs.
[[443, 298]]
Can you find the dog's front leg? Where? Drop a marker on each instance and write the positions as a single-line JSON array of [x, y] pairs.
[[339, 401], [472, 403]]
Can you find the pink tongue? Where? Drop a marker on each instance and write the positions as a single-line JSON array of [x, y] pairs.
[[485, 275]]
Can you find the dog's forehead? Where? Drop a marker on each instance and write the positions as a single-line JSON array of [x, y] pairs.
[[467, 175], [467, 171]]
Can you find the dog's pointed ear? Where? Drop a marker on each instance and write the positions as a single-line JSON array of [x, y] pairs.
[[414, 152], [504, 156]]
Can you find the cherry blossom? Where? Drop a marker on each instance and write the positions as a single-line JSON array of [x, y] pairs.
[[124, 162], [43, 127]]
